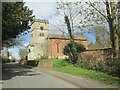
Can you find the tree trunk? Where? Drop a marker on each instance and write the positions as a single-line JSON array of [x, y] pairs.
[[73, 51], [114, 27], [114, 39], [118, 7], [111, 13]]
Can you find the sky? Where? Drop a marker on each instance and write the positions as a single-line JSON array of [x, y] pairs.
[[42, 9]]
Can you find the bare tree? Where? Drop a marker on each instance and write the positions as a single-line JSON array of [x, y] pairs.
[[70, 12], [110, 15], [88, 14]]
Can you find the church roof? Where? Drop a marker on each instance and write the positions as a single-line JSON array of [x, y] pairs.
[[60, 36]]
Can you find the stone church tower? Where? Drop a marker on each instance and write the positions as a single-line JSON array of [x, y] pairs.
[[38, 39]]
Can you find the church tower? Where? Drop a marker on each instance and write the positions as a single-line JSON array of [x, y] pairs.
[[38, 39]]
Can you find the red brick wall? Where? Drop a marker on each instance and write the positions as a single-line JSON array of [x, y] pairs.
[[53, 48], [102, 55]]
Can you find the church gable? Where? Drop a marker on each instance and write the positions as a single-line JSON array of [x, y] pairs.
[[57, 43]]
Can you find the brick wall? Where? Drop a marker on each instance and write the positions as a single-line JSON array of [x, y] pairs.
[[95, 57], [56, 47], [100, 60]]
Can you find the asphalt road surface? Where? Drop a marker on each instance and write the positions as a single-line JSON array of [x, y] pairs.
[[17, 76]]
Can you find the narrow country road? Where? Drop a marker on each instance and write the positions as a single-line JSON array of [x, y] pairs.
[[17, 76]]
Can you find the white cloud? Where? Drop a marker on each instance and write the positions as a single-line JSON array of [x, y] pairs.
[[16, 56], [57, 0], [43, 10], [15, 52], [40, 0], [46, 9]]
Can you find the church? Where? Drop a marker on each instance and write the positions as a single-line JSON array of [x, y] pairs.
[[44, 44]]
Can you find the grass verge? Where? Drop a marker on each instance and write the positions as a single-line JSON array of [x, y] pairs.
[[63, 66]]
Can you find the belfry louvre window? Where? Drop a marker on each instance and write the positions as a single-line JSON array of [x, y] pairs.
[[42, 34]]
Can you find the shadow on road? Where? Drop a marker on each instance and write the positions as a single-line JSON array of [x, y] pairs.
[[11, 70]]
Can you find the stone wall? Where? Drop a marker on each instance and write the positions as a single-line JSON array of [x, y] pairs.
[[45, 64]]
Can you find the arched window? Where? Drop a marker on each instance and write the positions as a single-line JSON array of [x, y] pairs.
[[58, 50]]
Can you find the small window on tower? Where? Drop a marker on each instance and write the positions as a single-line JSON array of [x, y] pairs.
[[42, 34]]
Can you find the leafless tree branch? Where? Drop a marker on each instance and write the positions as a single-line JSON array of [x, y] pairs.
[[98, 10]]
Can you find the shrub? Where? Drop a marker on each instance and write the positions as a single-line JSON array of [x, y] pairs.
[[79, 48], [5, 59], [114, 68], [8, 60], [13, 60], [43, 57], [110, 67], [79, 64], [72, 50]]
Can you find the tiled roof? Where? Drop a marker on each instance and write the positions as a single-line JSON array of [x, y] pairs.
[[59, 36]]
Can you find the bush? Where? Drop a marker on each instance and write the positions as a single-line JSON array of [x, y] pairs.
[[43, 57], [81, 65], [5, 59], [79, 48], [13, 60], [111, 67], [72, 49], [32, 63], [8, 60]]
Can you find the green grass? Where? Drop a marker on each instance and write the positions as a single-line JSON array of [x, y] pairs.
[[63, 66]]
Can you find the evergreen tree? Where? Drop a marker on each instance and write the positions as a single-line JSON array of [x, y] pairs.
[[15, 19]]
